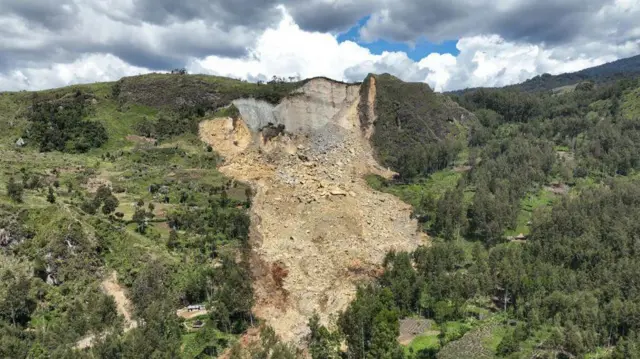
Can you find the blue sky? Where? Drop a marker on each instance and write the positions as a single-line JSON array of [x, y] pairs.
[[417, 51]]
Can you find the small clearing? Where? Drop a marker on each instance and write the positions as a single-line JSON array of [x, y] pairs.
[[411, 328], [112, 288], [186, 314]]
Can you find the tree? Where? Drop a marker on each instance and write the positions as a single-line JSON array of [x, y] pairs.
[[173, 242], [102, 194], [14, 190], [322, 343], [450, 216], [89, 207], [508, 345], [384, 343], [110, 204], [140, 217], [51, 198]]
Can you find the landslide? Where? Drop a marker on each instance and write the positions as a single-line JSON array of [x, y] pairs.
[[318, 228]]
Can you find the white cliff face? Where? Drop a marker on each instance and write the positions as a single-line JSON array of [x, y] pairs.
[[309, 108], [255, 113], [318, 229]]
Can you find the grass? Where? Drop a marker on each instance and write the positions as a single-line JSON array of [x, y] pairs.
[[533, 201], [428, 341], [435, 186]]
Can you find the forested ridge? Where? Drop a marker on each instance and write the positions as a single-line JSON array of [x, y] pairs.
[[533, 231]]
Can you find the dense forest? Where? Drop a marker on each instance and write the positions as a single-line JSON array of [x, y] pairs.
[[564, 287]]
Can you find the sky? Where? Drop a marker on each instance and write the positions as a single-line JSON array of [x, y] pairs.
[[449, 44]]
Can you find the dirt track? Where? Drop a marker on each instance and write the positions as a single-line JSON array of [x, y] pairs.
[[318, 228], [111, 287]]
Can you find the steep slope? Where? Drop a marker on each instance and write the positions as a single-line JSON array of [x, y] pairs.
[[318, 229], [409, 120]]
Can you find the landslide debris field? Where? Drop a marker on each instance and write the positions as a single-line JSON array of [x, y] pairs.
[[317, 227]]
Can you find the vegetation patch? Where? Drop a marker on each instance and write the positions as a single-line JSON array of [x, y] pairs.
[[417, 131]]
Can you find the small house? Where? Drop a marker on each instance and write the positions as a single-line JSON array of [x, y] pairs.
[[195, 307], [521, 237]]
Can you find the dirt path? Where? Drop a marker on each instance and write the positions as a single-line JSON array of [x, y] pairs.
[[317, 227], [111, 287]]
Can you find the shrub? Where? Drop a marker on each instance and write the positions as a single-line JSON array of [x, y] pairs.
[[14, 190], [51, 198]]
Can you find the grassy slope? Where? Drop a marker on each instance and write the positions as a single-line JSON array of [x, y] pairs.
[[134, 166]]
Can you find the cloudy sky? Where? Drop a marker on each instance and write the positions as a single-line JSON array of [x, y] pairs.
[[450, 44]]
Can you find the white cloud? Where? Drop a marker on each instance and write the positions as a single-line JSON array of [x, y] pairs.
[[107, 52], [87, 69], [483, 60]]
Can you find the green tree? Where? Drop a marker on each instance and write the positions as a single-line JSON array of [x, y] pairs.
[[14, 190], [450, 216], [322, 343], [110, 204], [173, 241], [51, 198], [140, 218], [508, 345], [385, 331]]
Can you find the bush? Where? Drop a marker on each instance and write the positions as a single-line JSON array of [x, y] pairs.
[[14, 190], [110, 204], [51, 198]]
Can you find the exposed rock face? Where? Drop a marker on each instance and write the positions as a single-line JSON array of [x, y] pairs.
[[309, 108], [317, 227]]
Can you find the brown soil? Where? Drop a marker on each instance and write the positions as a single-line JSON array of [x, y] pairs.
[[316, 224], [111, 287]]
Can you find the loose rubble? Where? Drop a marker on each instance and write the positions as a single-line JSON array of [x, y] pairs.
[[318, 229]]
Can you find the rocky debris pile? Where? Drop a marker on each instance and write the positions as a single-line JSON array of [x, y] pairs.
[[313, 215]]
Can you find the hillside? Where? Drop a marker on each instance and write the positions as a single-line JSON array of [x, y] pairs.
[[318, 219], [116, 213]]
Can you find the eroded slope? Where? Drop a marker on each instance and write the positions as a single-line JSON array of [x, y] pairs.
[[318, 228]]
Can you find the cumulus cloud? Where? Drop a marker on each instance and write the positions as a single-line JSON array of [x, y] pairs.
[[483, 60], [500, 42], [86, 69]]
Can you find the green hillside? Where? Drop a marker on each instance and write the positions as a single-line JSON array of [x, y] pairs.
[[532, 234], [416, 131], [530, 201], [113, 178]]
